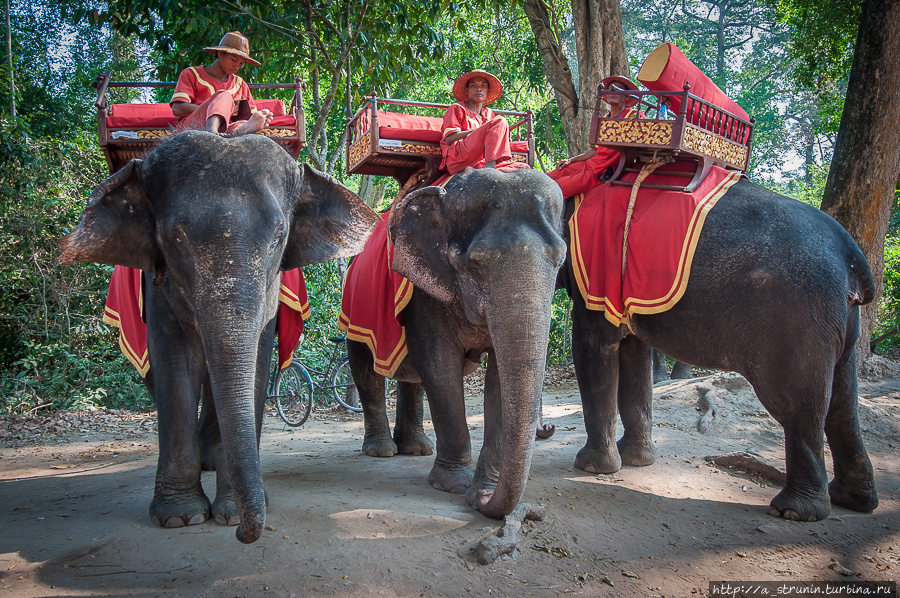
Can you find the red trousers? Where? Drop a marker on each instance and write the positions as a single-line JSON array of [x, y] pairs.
[[220, 104], [489, 142]]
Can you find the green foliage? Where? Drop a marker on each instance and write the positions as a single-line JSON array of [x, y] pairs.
[[559, 351], [52, 349], [889, 305]]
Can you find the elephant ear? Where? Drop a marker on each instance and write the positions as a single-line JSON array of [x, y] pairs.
[[420, 236], [329, 221], [117, 227]]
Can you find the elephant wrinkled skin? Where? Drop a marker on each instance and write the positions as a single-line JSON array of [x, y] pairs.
[[483, 257], [211, 221], [774, 294]]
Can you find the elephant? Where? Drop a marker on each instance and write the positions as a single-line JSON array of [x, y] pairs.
[[211, 221], [773, 294], [680, 370], [483, 256]]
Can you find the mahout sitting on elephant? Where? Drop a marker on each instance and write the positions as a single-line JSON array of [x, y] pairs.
[[773, 293], [483, 255], [211, 221]]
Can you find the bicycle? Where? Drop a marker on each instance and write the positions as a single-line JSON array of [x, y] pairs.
[[293, 387]]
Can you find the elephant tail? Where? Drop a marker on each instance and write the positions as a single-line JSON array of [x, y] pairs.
[[861, 288]]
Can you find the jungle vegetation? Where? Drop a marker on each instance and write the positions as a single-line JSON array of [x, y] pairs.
[[789, 63]]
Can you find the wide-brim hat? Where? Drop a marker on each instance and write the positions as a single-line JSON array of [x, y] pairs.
[[235, 43], [495, 91], [617, 83]]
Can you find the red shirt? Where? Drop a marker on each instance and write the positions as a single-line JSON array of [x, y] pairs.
[[195, 86], [459, 118]]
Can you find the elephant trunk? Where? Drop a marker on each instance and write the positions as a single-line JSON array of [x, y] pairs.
[[518, 317], [231, 343]]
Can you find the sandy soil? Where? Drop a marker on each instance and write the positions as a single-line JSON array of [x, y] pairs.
[[75, 489]]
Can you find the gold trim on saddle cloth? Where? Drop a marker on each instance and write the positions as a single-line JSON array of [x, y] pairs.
[[679, 285]]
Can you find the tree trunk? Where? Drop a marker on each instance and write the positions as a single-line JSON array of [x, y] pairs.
[[866, 165], [600, 52]]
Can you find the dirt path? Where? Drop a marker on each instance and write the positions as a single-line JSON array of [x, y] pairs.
[[74, 512]]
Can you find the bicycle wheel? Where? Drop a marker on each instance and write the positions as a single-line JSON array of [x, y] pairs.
[[293, 394], [344, 388]]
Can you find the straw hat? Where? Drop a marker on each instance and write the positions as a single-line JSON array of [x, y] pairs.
[[495, 91], [617, 83], [235, 43]]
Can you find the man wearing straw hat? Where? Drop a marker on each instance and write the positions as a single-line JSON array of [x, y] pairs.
[[472, 134], [208, 97]]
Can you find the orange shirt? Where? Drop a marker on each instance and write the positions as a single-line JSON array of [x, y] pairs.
[[195, 86], [459, 118]]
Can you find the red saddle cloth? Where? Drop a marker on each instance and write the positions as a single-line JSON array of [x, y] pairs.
[[374, 297], [663, 233], [125, 310]]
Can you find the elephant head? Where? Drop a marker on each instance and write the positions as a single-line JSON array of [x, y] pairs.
[[492, 242], [215, 220]]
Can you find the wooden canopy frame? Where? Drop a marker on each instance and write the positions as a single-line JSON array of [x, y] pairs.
[[121, 144], [701, 134], [368, 153]]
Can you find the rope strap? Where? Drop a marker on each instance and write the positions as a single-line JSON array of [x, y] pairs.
[[646, 171]]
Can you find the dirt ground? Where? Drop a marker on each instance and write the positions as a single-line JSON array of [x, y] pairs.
[[75, 489]]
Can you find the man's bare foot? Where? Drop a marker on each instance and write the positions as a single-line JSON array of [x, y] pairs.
[[215, 124], [259, 120]]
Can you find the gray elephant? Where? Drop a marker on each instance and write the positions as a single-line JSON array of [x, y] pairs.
[[483, 256], [212, 221], [680, 371], [774, 294]]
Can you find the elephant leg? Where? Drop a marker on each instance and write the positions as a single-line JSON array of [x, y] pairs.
[[178, 497], [660, 374], [681, 371], [211, 455], [799, 405], [853, 486], [595, 352], [635, 398], [409, 434], [487, 471], [451, 471], [377, 441]]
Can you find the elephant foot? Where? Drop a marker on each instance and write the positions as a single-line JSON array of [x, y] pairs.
[[544, 431], [636, 454], [454, 479], [477, 499], [800, 507], [225, 511], [381, 447], [681, 371], [660, 376], [418, 445], [861, 497], [168, 511], [598, 461]]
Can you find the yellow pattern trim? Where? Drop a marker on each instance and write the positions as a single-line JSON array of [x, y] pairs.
[[290, 298], [634, 305], [363, 335], [140, 362]]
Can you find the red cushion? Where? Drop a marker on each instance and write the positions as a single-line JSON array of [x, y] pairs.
[[666, 69], [276, 106], [394, 125], [282, 121], [520, 147], [160, 115], [140, 115]]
